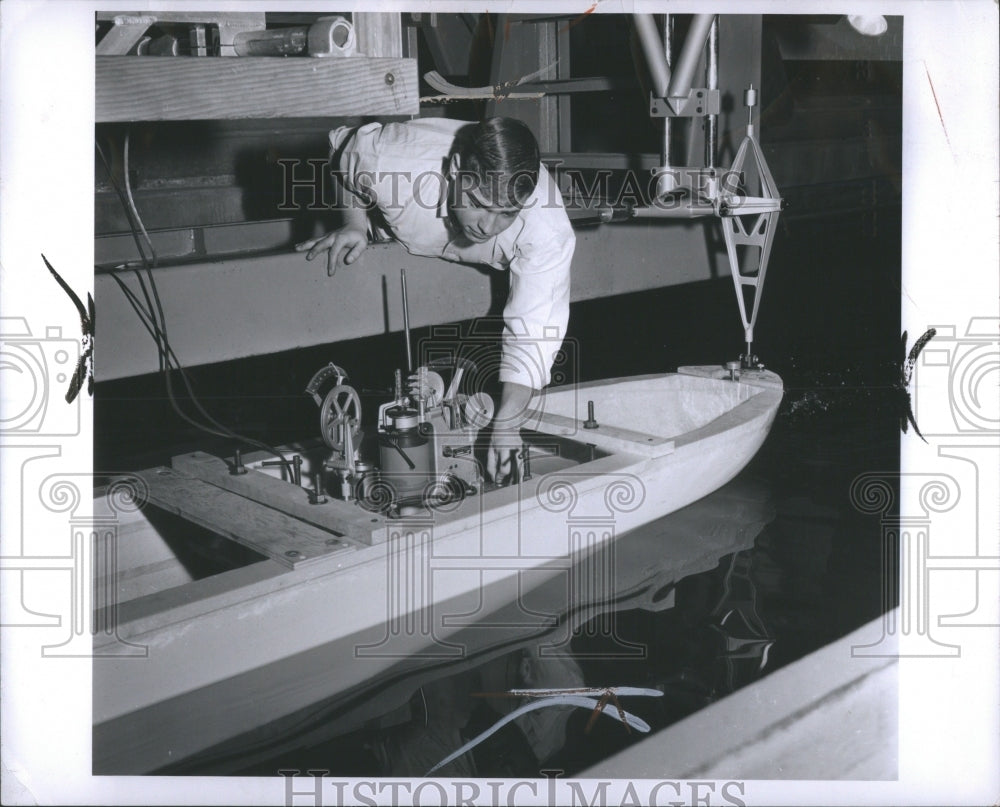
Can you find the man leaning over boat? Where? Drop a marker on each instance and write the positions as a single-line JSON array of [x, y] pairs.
[[471, 193]]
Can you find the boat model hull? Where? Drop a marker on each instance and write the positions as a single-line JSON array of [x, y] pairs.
[[253, 644]]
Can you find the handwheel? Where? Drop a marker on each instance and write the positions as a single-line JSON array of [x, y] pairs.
[[341, 409]]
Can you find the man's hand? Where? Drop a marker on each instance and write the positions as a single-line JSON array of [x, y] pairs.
[[504, 462], [343, 246]]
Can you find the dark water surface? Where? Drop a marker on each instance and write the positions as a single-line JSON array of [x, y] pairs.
[[796, 567], [789, 563]]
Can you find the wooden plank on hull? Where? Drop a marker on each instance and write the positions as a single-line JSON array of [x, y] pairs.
[[287, 540], [610, 438], [136, 88], [335, 516]]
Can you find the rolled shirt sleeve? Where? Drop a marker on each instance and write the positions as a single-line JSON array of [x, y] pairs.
[[537, 309], [354, 157]]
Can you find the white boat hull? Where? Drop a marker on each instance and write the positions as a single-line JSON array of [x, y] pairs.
[[251, 645]]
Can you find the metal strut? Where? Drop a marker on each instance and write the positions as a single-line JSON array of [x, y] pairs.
[[749, 222]]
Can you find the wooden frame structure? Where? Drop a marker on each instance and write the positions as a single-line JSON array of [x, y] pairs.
[[376, 81]]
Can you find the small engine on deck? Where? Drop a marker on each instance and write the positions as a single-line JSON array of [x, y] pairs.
[[426, 438]]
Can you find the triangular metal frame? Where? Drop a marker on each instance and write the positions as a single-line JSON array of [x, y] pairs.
[[767, 207]]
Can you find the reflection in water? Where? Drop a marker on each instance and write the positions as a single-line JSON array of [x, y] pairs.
[[445, 706], [746, 640], [469, 712], [543, 729], [619, 633], [768, 568]]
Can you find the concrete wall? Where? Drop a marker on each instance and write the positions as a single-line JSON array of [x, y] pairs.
[[221, 310]]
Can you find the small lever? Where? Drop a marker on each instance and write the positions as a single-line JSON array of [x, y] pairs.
[[402, 453], [296, 467]]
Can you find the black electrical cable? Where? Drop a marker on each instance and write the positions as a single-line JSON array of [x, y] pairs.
[[221, 431], [155, 321], [133, 229]]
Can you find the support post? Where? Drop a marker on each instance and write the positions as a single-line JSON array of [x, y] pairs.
[[379, 34]]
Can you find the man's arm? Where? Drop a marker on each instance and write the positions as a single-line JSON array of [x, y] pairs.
[[536, 315], [353, 158], [502, 456], [345, 245]]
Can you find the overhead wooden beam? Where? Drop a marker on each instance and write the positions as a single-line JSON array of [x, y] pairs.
[[137, 88]]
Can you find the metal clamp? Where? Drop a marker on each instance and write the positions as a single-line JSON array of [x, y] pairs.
[[699, 101]]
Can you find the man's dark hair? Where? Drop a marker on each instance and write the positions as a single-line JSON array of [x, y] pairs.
[[503, 154]]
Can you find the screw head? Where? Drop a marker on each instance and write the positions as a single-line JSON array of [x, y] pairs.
[[293, 553]]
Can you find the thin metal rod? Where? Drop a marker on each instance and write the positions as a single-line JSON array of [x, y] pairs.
[[675, 207], [712, 83], [406, 322], [683, 73], [652, 48], [668, 30]]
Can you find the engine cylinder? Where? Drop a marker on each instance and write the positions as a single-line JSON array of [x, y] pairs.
[[406, 442]]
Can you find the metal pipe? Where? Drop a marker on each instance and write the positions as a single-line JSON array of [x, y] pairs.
[[652, 48], [678, 205], [712, 83], [683, 74], [406, 322], [664, 183]]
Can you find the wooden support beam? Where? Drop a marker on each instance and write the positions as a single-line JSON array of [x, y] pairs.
[[133, 89], [521, 47], [287, 540], [563, 119], [336, 516], [379, 33]]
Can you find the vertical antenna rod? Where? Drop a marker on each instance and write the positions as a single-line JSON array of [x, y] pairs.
[[712, 83], [406, 322]]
